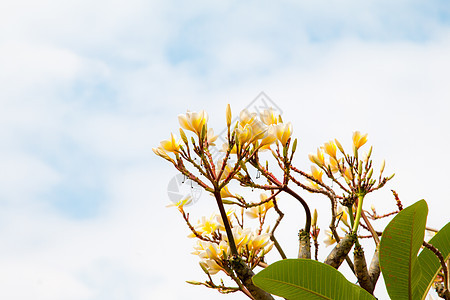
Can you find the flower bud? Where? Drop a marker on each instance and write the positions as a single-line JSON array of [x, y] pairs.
[[228, 115], [314, 218]]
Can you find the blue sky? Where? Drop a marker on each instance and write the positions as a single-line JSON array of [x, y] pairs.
[[89, 87]]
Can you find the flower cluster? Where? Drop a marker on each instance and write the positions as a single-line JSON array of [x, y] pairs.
[[213, 249]]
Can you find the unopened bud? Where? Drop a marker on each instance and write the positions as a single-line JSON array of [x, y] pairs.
[[294, 146], [370, 152], [382, 166], [204, 268], [228, 115], [339, 146], [183, 136], [314, 218]]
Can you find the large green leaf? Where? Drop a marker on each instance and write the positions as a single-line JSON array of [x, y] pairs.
[[308, 279], [429, 262], [399, 245]]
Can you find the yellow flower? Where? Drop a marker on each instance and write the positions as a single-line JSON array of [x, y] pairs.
[[330, 148], [334, 165], [253, 212], [258, 130], [358, 139], [268, 117], [259, 241], [343, 215], [244, 134], [210, 137], [268, 205], [312, 185], [171, 145], [241, 236], [216, 252], [193, 121], [284, 132], [316, 173], [270, 136], [329, 240], [245, 117], [318, 159], [212, 266], [348, 174], [225, 193], [160, 152], [186, 200], [206, 226]]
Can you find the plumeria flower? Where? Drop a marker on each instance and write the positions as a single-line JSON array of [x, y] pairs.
[[216, 252], [269, 137], [241, 236], [330, 148], [193, 121], [255, 211], [319, 158], [210, 137], [358, 139], [207, 226], [246, 118], [329, 240], [268, 117], [343, 215], [284, 132], [348, 174], [316, 173], [161, 152], [334, 165], [225, 193], [268, 205], [186, 200], [212, 266], [259, 241], [244, 134], [171, 145], [312, 184], [258, 130]]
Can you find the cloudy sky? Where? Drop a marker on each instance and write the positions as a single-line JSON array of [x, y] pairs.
[[89, 87]]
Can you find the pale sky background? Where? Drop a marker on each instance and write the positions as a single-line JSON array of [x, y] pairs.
[[87, 88]]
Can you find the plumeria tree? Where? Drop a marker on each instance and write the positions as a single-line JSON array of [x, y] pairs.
[[227, 246]]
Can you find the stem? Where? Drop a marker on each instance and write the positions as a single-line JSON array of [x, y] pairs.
[[272, 234], [358, 214], [372, 231], [305, 206], [441, 260], [226, 224]]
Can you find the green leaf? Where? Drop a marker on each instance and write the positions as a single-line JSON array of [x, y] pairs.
[[307, 279], [399, 246], [430, 263]]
